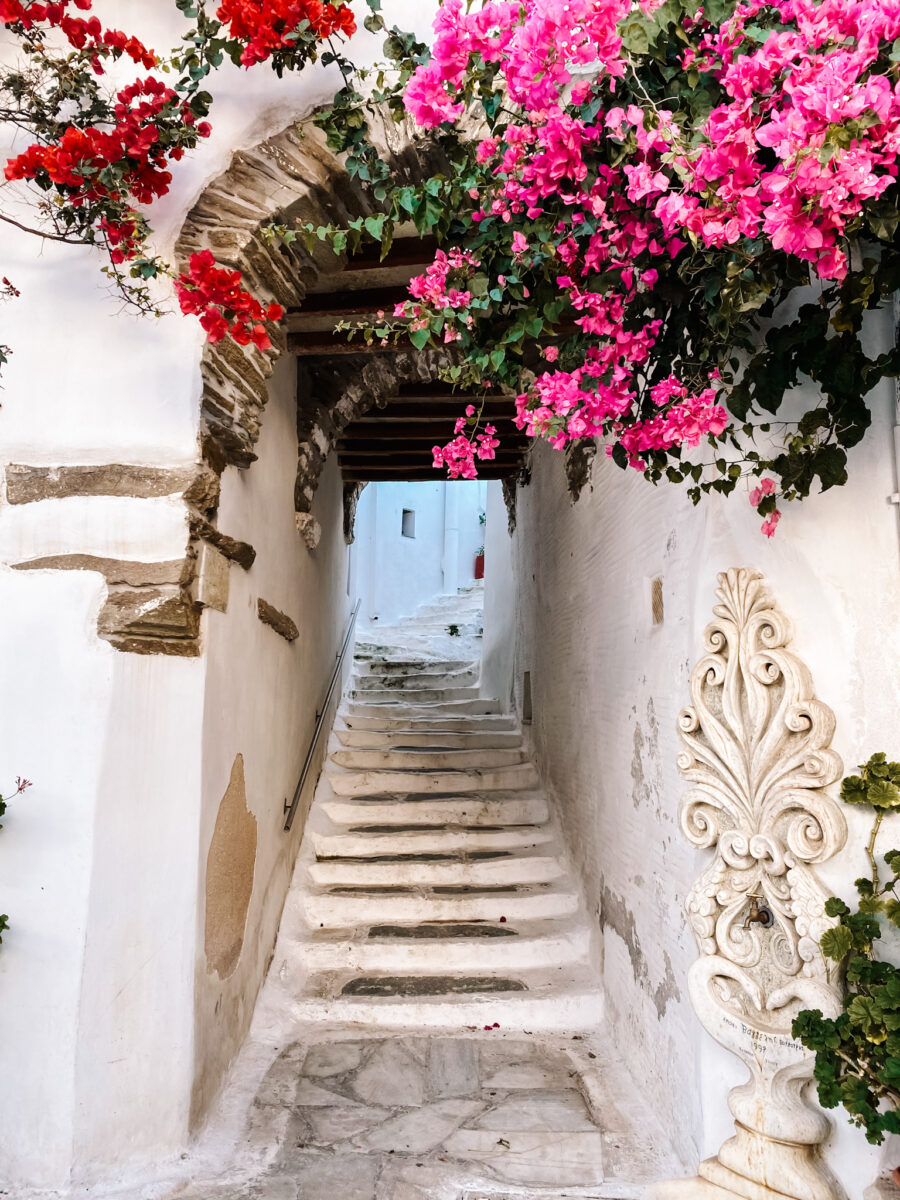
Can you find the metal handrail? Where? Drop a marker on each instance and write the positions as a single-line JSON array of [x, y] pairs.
[[291, 809]]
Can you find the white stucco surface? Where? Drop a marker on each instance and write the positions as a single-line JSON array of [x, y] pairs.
[[607, 687], [110, 1018], [398, 573]]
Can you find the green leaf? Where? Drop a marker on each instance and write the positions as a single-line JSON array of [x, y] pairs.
[[419, 337], [836, 943], [884, 794]]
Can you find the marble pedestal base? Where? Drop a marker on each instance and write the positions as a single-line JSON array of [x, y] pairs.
[[715, 1183]]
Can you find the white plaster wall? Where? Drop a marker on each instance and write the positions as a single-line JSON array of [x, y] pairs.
[[397, 573], [607, 687], [99, 861], [500, 583], [261, 699], [97, 873]]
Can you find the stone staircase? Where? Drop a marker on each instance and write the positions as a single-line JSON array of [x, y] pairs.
[[432, 883]]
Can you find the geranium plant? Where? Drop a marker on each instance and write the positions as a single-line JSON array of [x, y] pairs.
[[100, 156], [858, 1052], [655, 221]]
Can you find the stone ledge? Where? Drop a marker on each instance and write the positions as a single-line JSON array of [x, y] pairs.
[[279, 621], [115, 570], [197, 483]]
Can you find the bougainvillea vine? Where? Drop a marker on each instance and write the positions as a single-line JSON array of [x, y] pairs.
[[635, 195]]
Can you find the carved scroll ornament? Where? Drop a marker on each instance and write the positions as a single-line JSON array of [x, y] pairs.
[[757, 753]]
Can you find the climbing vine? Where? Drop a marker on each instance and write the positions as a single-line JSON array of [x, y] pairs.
[[655, 222], [21, 785], [858, 1052]]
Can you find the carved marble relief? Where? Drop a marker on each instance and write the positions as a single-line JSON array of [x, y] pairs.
[[757, 754]]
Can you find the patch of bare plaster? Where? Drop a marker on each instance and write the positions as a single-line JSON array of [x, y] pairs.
[[309, 529], [352, 493], [509, 499], [615, 915], [579, 460], [645, 758], [230, 868]]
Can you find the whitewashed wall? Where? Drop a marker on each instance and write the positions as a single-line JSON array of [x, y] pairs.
[[101, 861], [608, 685], [262, 694], [394, 573]]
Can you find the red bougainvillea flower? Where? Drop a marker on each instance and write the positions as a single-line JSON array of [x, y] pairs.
[[225, 309], [268, 26]]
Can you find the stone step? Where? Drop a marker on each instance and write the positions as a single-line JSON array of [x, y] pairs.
[[433, 739], [468, 955], [414, 695], [549, 1010], [362, 844], [428, 680], [451, 610], [401, 666], [330, 910], [462, 724], [426, 758], [417, 986], [407, 709], [511, 870], [504, 809], [448, 783]]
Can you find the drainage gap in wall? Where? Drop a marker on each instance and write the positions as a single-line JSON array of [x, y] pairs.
[[408, 523], [526, 698]]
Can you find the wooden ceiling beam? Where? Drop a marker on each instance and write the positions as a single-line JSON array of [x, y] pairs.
[[420, 454], [404, 252], [346, 303], [325, 344], [383, 445], [417, 474], [429, 410]]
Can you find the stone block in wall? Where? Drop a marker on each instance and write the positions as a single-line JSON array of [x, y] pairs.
[[211, 578], [279, 621], [161, 620]]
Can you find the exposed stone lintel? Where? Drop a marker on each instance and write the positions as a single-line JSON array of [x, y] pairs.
[[115, 570], [279, 621], [26, 484]]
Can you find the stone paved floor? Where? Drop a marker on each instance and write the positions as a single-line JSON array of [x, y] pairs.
[[483, 1117]]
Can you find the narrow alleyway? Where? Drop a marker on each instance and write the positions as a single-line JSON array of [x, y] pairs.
[[431, 868], [430, 1026]]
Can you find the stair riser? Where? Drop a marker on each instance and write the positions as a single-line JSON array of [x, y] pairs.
[[416, 760], [410, 710], [496, 872], [343, 912], [440, 812], [413, 696], [450, 783], [426, 726], [442, 841], [405, 666], [365, 740], [428, 680], [488, 956]]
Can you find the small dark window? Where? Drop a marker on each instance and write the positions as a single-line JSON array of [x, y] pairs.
[[408, 523], [526, 698]]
